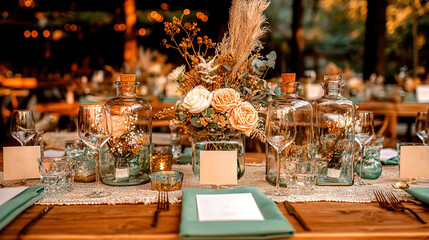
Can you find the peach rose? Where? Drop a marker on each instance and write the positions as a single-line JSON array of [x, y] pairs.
[[244, 118], [225, 99], [197, 100]]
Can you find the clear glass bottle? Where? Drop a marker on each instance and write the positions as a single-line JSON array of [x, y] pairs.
[[299, 167], [334, 134], [129, 145]]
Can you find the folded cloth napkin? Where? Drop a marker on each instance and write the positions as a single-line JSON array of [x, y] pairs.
[[390, 161], [421, 194], [12, 208], [186, 157], [274, 225], [389, 156]]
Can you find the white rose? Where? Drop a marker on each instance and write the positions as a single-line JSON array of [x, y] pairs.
[[244, 118], [176, 73], [197, 100]]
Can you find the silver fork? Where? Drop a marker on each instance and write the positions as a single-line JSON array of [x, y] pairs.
[[162, 205], [399, 206], [382, 201]]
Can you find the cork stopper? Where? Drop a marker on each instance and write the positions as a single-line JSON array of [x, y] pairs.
[[287, 79], [332, 76], [333, 81], [127, 77]]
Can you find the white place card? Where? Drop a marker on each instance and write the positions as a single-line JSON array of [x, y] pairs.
[[21, 162], [7, 194], [228, 207], [218, 167], [313, 91], [422, 93], [414, 162]]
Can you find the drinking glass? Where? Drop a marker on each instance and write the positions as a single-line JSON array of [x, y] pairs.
[[280, 132], [95, 128], [56, 175], [422, 127], [22, 126], [364, 133], [175, 139]]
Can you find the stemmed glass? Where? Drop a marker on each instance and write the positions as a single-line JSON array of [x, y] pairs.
[[422, 127], [364, 133], [95, 128], [280, 132], [22, 126]]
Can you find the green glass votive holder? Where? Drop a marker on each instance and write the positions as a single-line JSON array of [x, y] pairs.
[[166, 180]]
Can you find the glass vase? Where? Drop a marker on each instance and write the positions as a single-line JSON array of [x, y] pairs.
[[371, 166], [334, 134], [298, 167], [126, 155], [219, 142]]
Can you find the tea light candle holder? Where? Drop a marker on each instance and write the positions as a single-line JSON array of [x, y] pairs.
[[166, 180], [162, 158]]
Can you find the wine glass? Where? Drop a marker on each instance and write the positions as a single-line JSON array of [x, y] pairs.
[[364, 133], [280, 132], [422, 127], [95, 128], [22, 126]]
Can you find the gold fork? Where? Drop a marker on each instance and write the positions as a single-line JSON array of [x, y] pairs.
[[396, 204], [162, 205]]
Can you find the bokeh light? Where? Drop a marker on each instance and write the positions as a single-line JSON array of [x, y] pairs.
[[142, 32], [164, 6], [73, 27], [122, 27], [27, 33], [34, 33], [46, 33]]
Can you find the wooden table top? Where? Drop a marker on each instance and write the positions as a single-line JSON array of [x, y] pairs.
[[327, 220]]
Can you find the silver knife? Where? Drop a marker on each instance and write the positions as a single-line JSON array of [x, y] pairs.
[[27, 227], [292, 211]]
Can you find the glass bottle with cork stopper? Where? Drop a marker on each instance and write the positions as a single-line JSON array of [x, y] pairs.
[[298, 168], [126, 158], [334, 134]]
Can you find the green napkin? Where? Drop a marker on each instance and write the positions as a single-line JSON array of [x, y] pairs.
[[186, 157], [421, 194], [12, 208], [391, 161], [274, 225]]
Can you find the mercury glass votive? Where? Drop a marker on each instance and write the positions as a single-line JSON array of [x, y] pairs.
[[166, 180], [162, 158]]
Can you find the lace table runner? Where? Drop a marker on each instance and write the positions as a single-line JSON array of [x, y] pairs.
[[254, 176]]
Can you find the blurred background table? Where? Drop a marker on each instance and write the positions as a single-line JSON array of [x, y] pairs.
[[390, 112]]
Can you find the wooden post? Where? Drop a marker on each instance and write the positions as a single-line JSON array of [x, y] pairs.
[[375, 38], [130, 46], [297, 44], [415, 39]]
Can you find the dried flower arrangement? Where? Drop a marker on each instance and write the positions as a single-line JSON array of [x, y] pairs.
[[333, 144], [220, 94], [125, 140]]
